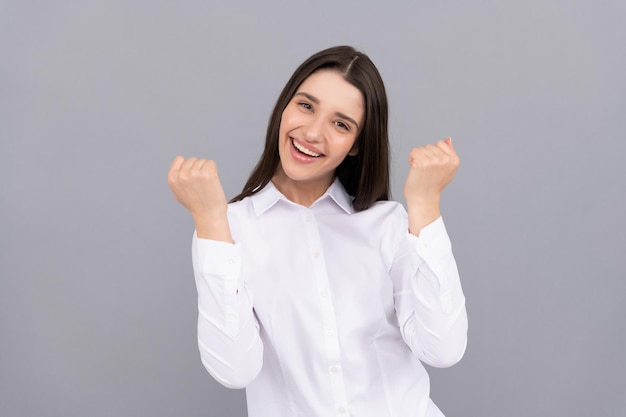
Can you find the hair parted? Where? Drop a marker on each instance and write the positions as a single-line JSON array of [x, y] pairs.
[[365, 175]]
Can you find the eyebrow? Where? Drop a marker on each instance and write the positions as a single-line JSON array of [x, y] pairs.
[[316, 101]]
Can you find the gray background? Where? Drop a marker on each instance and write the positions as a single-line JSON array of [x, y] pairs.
[[97, 301]]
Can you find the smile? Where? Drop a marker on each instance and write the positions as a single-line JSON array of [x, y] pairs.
[[304, 150]]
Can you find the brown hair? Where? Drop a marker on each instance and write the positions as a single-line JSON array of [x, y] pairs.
[[365, 176]]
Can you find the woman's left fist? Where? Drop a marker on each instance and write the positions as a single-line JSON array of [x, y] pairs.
[[432, 169]]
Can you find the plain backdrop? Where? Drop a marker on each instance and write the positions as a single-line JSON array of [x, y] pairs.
[[97, 299]]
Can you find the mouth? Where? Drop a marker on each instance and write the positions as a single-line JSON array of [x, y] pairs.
[[303, 150]]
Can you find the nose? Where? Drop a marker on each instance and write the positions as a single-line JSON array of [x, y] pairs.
[[314, 129]]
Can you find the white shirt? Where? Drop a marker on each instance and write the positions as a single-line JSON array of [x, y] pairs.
[[324, 311]]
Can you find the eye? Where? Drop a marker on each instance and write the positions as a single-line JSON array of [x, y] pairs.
[[305, 105], [342, 125]]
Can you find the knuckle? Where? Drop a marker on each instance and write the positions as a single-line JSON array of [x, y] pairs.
[[185, 176], [210, 167], [172, 177]]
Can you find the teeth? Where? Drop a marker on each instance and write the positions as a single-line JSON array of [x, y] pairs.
[[305, 150]]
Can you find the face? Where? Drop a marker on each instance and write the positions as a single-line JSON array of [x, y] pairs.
[[318, 129]]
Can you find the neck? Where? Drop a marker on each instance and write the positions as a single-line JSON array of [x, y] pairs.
[[304, 193]]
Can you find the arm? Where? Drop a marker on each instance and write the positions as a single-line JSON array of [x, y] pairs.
[[228, 338], [429, 298], [230, 346]]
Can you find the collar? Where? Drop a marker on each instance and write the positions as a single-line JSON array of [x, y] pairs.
[[269, 195]]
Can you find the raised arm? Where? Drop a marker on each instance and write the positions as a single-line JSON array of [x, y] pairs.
[[230, 347], [429, 299]]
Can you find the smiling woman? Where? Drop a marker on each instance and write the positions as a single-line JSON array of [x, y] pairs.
[[316, 293], [365, 185], [316, 134]]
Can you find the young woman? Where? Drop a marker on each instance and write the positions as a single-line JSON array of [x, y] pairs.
[[316, 293]]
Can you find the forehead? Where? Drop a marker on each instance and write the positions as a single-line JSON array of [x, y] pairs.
[[330, 88]]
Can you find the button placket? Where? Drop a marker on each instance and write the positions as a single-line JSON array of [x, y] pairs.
[[329, 321]]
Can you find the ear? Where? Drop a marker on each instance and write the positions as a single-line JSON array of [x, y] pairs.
[[354, 151]]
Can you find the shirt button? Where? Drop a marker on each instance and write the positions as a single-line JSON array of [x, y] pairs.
[[232, 261], [324, 294], [329, 332], [333, 369], [341, 410], [308, 217], [316, 254]]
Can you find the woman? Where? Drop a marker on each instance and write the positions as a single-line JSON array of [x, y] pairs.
[[315, 293]]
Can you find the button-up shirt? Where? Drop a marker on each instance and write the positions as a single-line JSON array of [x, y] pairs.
[[324, 311]]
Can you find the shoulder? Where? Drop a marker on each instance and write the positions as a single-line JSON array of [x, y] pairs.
[[240, 210], [383, 218], [388, 210], [386, 223]]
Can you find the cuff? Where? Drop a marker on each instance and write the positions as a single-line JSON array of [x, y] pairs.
[[435, 249], [217, 258], [218, 279]]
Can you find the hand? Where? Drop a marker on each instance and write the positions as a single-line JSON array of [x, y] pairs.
[[196, 186], [432, 169]]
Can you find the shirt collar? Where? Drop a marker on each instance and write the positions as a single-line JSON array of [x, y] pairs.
[[338, 193], [269, 195]]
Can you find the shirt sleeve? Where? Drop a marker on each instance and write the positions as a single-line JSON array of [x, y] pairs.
[[428, 297], [228, 333]]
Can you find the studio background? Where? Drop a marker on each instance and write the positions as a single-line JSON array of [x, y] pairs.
[[97, 299]]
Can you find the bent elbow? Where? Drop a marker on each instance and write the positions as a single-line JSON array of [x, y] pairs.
[[234, 366], [446, 362], [238, 378], [446, 358]]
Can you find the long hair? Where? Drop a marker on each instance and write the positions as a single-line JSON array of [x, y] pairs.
[[365, 175]]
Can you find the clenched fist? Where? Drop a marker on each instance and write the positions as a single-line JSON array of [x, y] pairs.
[[196, 186], [432, 169]]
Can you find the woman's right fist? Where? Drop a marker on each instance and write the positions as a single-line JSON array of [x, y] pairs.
[[197, 187]]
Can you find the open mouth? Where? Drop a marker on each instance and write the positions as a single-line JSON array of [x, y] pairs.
[[304, 150]]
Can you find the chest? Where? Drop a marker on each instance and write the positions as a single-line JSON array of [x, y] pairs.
[[308, 270]]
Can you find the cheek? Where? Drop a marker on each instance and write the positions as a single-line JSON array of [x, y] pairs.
[[287, 120], [348, 144]]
